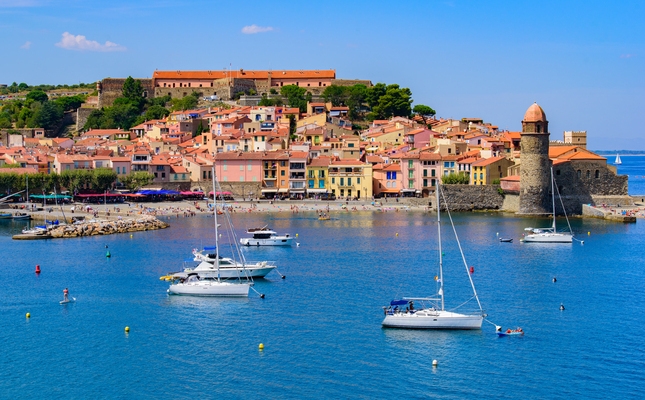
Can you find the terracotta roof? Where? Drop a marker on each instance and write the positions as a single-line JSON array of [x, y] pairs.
[[535, 113], [486, 161], [512, 178], [244, 74]]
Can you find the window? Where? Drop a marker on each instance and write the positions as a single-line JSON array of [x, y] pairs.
[[349, 181], [282, 173], [481, 176], [321, 184], [433, 172], [358, 181], [248, 167], [557, 172], [597, 174], [333, 181], [204, 173], [411, 184], [579, 173], [588, 174], [410, 164], [311, 173], [342, 192], [342, 181], [241, 179], [425, 172], [410, 174], [156, 175], [321, 173], [224, 165], [241, 167], [283, 163], [310, 184], [425, 183], [163, 174]]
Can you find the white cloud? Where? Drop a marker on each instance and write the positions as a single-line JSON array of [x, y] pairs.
[[26, 46], [626, 55], [80, 43], [251, 29]]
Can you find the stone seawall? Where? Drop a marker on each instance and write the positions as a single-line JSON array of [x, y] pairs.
[[93, 228], [470, 197]]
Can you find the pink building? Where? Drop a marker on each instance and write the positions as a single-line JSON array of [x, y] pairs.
[[239, 167]]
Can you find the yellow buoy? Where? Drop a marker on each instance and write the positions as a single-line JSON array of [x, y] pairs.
[[261, 346], [588, 233], [131, 236], [127, 329], [28, 315], [397, 234], [296, 235]]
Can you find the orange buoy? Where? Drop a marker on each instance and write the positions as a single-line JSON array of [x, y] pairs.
[[37, 269], [472, 269]]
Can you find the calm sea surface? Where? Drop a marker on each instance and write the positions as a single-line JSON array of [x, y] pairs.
[[321, 325], [634, 167]]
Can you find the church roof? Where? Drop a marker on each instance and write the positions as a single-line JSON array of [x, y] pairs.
[[535, 113]]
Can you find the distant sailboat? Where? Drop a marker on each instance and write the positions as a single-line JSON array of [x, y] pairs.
[[617, 161]]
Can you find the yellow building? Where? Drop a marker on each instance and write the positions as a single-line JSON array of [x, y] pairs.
[[350, 178], [318, 176], [487, 170]]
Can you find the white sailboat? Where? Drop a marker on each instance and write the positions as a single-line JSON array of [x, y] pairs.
[[194, 285], [549, 235], [432, 314], [618, 161]]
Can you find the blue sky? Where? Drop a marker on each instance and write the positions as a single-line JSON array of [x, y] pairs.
[[582, 61]]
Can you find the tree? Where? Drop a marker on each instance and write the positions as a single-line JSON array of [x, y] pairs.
[[461, 178], [295, 96], [37, 95], [48, 116], [132, 89], [103, 179], [424, 112], [67, 103], [23, 86], [356, 97], [374, 93], [266, 102], [396, 102], [5, 121], [135, 180], [335, 94]]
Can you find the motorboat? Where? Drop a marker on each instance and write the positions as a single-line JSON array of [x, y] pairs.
[[21, 216], [266, 237], [228, 267], [36, 230], [6, 215], [510, 332], [506, 240], [432, 313]]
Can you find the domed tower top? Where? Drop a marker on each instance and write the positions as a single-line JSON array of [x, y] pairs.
[[535, 120]]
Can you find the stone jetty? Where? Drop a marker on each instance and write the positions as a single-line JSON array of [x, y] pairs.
[[104, 227]]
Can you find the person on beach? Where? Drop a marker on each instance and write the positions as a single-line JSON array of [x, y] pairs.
[[65, 295]]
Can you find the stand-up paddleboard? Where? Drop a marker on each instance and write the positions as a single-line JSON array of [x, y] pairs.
[[71, 300]]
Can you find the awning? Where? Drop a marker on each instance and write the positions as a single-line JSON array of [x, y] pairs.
[[283, 190], [316, 190], [273, 190], [297, 190], [408, 190]]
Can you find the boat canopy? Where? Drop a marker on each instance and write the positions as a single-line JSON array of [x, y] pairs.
[[209, 248], [399, 302]]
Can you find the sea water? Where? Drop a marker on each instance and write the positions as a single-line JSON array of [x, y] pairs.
[[634, 168], [321, 326]]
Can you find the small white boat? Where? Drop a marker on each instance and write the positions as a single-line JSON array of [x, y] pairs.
[[21, 215], [549, 235], [266, 237], [618, 161], [227, 267], [193, 285], [36, 230], [6, 216]]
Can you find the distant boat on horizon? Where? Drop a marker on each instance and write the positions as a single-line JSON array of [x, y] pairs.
[[617, 161]]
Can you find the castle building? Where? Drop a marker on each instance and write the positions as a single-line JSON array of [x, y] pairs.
[[535, 175]]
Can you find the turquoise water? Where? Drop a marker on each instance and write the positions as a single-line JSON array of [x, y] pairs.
[[321, 325]]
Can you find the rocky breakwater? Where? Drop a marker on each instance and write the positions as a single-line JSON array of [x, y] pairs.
[[104, 227]]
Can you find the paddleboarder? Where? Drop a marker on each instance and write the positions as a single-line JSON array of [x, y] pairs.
[[65, 295]]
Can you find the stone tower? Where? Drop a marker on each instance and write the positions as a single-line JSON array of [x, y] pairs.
[[535, 165]]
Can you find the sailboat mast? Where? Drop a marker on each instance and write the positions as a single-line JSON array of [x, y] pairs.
[[440, 250], [553, 197], [215, 219], [27, 191]]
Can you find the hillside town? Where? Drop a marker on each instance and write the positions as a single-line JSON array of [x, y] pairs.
[[313, 151]]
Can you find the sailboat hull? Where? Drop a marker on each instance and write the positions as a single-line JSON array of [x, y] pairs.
[[549, 237], [432, 319], [210, 288]]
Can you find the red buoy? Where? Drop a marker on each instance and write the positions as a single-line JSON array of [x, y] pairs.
[[472, 269], [37, 269]]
